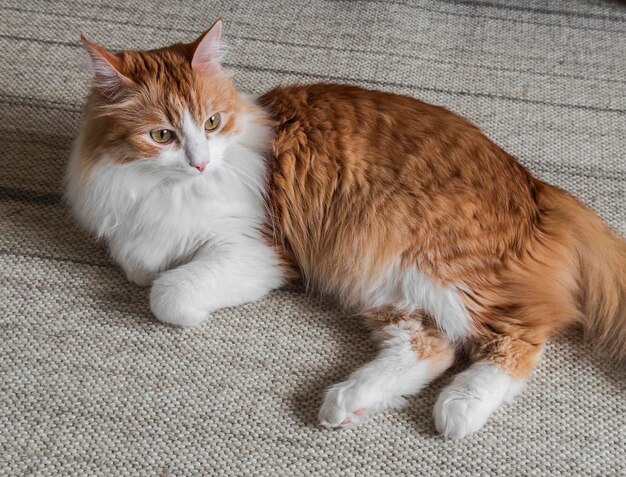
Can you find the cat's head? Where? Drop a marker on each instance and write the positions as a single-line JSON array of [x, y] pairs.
[[174, 110]]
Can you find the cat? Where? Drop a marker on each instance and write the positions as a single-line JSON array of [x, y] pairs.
[[404, 212]]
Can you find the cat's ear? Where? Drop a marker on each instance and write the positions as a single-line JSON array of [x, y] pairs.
[[206, 49], [106, 68]]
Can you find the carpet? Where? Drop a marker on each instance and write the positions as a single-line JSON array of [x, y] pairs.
[[91, 384]]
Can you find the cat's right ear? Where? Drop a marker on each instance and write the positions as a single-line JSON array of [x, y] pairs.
[[206, 50], [106, 68]]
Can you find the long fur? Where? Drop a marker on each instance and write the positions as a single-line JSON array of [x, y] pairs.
[[403, 211], [601, 276]]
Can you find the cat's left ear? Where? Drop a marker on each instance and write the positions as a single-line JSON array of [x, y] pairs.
[[107, 69], [206, 49]]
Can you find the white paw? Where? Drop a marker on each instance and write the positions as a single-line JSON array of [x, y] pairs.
[[460, 412], [463, 407], [349, 403], [174, 303]]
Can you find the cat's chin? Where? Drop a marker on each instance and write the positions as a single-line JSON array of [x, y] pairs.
[[178, 175]]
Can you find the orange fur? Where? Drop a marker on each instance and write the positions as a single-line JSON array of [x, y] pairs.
[[158, 86], [427, 341], [359, 177]]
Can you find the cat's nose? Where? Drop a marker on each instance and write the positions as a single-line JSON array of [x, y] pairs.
[[200, 166]]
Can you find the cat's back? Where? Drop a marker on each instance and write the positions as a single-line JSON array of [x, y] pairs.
[[327, 107], [347, 160], [343, 136], [354, 125]]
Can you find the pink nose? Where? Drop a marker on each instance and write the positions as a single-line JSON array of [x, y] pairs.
[[200, 166]]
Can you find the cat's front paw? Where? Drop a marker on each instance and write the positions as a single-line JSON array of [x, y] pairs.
[[174, 303]]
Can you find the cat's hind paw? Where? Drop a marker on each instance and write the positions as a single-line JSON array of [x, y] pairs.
[[334, 417], [465, 405], [348, 404], [458, 415]]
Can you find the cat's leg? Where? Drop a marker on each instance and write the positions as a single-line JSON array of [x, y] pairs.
[[499, 374], [240, 271], [413, 353], [138, 275]]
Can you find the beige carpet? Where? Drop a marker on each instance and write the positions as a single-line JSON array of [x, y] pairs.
[[90, 384]]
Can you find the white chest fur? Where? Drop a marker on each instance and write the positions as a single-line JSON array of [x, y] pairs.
[[152, 222]]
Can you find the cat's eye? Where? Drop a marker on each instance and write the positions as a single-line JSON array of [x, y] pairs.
[[162, 136], [213, 122]]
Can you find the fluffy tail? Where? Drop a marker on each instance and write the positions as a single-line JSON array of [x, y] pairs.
[[601, 258]]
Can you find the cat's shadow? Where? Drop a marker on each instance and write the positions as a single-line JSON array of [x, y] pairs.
[[40, 227], [347, 331]]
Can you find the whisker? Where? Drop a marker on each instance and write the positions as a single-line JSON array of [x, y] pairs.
[[255, 190]]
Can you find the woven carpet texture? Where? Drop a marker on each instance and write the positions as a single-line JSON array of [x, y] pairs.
[[91, 384]]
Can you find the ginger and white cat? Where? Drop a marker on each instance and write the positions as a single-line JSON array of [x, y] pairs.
[[402, 211]]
